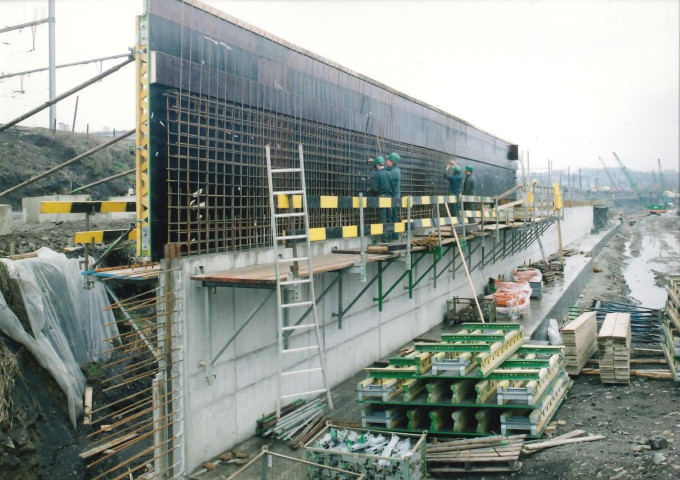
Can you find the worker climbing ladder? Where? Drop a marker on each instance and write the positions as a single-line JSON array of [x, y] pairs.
[[298, 345]]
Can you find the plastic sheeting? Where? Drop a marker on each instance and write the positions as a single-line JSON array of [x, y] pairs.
[[67, 321], [527, 275]]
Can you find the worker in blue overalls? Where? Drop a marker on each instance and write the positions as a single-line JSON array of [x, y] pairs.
[[382, 185]]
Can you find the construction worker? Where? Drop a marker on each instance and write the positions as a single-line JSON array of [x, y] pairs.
[[452, 174], [382, 186], [392, 166], [469, 187]]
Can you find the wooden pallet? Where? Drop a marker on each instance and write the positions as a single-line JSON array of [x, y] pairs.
[[490, 454]]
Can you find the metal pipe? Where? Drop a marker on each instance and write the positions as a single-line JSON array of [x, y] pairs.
[[24, 25], [130, 320], [107, 179], [66, 94], [72, 64], [52, 63], [66, 163], [248, 319]]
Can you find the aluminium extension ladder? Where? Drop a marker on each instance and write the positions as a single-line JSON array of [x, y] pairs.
[[295, 294]]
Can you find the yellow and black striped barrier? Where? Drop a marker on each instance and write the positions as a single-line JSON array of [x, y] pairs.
[[102, 236], [352, 231], [87, 207], [323, 201]]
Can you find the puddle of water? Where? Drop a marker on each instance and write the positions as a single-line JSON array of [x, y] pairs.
[[639, 271]]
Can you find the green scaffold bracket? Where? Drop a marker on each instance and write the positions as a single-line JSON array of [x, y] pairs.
[[463, 244]]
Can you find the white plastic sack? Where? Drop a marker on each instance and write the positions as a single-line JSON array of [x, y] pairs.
[[554, 334]]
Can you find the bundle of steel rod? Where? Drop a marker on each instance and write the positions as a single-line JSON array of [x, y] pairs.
[[136, 425], [645, 323], [310, 431], [548, 270], [297, 419], [267, 421], [486, 454]]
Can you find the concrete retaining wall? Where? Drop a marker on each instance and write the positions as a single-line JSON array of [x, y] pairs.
[[6, 223], [30, 208], [223, 413]]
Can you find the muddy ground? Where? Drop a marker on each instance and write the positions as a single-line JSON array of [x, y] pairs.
[[647, 411]]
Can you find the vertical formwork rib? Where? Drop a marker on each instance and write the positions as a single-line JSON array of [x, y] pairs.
[[142, 136]]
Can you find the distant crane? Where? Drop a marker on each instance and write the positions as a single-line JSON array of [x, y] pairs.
[[606, 170], [652, 208]]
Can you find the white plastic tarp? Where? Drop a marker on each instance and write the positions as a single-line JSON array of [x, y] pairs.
[[67, 320]]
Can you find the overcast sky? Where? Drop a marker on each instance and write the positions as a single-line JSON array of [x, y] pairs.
[[565, 80]]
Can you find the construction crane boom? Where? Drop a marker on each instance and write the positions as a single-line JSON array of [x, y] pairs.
[[652, 208], [606, 170], [629, 177]]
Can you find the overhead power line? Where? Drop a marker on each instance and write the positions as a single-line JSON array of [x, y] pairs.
[[83, 62], [66, 94], [24, 25]]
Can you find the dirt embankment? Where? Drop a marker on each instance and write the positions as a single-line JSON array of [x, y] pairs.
[[27, 152]]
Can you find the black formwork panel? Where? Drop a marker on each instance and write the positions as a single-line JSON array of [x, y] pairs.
[[221, 90]]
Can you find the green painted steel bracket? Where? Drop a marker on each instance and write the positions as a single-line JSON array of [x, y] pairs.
[[382, 296], [462, 337], [491, 326], [521, 374], [403, 361], [393, 373], [453, 347], [541, 350], [438, 251], [525, 363], [437, 259]]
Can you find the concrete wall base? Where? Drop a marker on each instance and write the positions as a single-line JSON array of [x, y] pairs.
[[30, 209], [6, 222], [246, 375]]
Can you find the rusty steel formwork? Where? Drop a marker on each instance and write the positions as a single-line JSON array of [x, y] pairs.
[[215, 91]]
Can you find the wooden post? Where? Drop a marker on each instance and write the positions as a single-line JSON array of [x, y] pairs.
[[87, 406], [75, 112]]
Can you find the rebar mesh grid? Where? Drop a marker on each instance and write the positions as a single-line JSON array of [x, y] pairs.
[[217, 192]]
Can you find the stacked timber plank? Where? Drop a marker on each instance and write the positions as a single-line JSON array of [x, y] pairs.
[[489, 454], [614, 345], [670, 326], [580, 341]]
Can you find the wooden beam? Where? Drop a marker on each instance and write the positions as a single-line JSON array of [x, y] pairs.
[[532, 447], [105, 446]]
